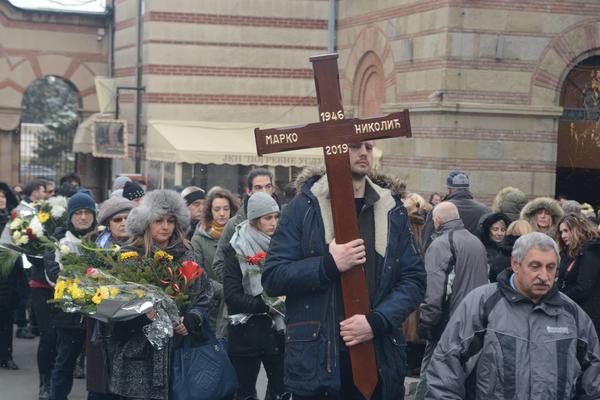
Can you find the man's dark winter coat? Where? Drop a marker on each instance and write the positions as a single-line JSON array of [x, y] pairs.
[[296, 267]]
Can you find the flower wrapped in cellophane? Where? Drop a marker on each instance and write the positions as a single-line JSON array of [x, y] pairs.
[[111, 287], [31, 233]]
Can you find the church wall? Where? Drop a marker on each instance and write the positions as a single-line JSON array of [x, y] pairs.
[[36, 44], [223, 61], [500, 67]]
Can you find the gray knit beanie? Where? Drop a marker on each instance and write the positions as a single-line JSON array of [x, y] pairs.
[[261, 204], [119, 182], [113, 206]]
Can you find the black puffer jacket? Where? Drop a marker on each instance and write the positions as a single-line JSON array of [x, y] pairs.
[[581, 281], [498, 254]]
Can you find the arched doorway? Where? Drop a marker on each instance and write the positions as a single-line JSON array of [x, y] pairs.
[[578, 158], [369, 91], [48, 121]]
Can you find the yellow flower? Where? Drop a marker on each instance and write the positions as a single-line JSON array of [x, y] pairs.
[[76, 292], [59, 289], [159, 255], [43, 216], [114, 292], [104, 292], [128, 254], [97, 299], [139, 293]]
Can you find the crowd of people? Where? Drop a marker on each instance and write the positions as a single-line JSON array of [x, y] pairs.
[[499, 302]]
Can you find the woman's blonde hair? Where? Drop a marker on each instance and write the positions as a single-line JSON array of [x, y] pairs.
[[146, 241], [415, 202], [519, 227]]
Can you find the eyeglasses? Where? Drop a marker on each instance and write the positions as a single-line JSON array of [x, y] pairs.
[[118, 220]]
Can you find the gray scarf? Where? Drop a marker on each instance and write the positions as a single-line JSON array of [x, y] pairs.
[[247, 242]]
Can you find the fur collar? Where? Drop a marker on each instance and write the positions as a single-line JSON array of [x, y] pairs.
[[381, 209], [396, 187]]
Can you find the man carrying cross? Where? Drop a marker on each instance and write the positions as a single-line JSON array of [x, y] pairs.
[[305, 264]]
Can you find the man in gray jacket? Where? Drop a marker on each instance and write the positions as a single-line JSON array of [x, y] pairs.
[[519, 338], [456, 263]]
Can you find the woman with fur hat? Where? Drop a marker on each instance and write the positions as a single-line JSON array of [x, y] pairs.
[[138, 369], [220, 206], [543, 213], [579, 269], [256, 330]]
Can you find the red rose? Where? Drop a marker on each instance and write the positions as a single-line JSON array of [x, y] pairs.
[[190, 270], [13, 215], [261, 255], [29, 231]]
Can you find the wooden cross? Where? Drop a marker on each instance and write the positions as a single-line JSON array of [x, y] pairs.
[[334, 133]]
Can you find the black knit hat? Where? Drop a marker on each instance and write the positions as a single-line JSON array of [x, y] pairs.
[[132, 191]]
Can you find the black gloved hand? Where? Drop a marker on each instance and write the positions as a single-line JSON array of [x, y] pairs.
[[193, 323]]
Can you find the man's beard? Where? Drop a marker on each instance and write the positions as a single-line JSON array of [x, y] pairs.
[[358, 176]]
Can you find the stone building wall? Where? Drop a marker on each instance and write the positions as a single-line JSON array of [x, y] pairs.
[[224, 61], [498, 67], [37, 44]]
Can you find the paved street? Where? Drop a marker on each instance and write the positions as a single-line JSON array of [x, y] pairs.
[[23, 384]]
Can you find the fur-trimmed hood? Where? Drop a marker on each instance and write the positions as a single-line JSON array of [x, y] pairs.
[[388, 189], [486, 224], [548, 203], [396, 187], [155, 205], [509, 201]]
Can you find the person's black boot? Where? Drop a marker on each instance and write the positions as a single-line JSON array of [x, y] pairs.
[[79, 371], [44, 387]]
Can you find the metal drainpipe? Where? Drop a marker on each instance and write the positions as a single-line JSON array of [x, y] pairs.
[[138, 83], [331, 27]]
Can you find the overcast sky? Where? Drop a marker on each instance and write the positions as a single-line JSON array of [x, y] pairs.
[[63, 5]]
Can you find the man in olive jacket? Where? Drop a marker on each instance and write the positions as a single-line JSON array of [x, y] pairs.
[[519, 338]]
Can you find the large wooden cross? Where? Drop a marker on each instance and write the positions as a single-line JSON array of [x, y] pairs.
[[334, 133]]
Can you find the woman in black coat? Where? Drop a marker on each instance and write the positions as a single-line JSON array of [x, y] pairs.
[[579, 270], [493, 231], [256, 329]]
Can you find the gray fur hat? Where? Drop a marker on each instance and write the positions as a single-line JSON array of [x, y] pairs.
[[155, 205]]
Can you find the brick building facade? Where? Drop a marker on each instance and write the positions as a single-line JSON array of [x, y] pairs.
[[482, 78]]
